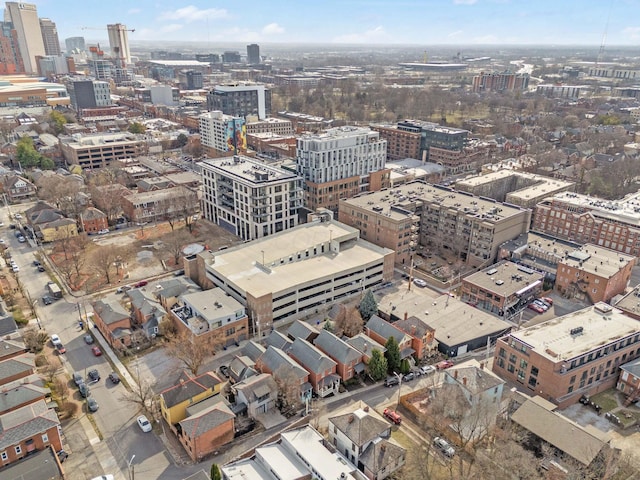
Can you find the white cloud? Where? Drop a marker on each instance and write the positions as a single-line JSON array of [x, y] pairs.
[[272, 29], [194, 14], [375, 35], [632, 32], [464, 2], [455, 34]]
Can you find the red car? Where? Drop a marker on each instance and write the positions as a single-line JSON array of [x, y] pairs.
[[535, 308], [549, 300], [393, 416], [444, 364], [96, 350], [140, 284]]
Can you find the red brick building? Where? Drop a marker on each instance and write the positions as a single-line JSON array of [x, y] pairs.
[[93, 220]]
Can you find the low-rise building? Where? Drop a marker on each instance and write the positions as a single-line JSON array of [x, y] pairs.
[[258, 394], [564, 358], [503, 289], [159, 205], [629, 381], [284, 368], [321, 368], [93, 220], [381, 331], [348, 359], [423, 340], [16, 368], [114, 322], [594, 273], [188, 390], [99, 151], [18, 189]]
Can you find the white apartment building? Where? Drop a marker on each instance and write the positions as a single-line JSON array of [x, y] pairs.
[[249, 198], [221, 132]]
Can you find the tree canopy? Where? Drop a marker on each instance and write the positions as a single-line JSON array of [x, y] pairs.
[[137, 127], [368, 306], [392, 354], [377, 366], [29, 157]]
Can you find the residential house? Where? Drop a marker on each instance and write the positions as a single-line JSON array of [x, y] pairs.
[[18, 189], [17, 367], [321, 368], [209, 425], [152, 184], [147, 312], [278, 340], [304, 330], [11, 348], [93, 220], [160, 204], [187, 390], [108, 198], [629, 381], [211, 315], [348, 359], [168, 291], [258, 393], [381, 331], [8, 324], [423, 339], [364, 438], [283, 367], [365, 345], [253, 350], [114, 322], [20, 395], [42, 465], [240, 368], [28, 429], [62, 229]]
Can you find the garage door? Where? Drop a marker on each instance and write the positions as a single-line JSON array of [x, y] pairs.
[[462, 350]]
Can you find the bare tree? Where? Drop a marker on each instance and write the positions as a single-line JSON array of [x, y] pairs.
[[77, 253], [140, 393], [174, 242], [348, 322], [34, 339], [189, 350], [289, 395], [103, 260], [61, 387]]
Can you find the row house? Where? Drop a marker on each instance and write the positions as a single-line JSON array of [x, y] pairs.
[[321, 368], [277, 363], [381, 331], [347, 358]]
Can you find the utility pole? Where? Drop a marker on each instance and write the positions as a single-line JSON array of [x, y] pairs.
[[399, 377]]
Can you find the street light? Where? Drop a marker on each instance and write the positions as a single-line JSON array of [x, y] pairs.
[[131, 468], [399, 377]]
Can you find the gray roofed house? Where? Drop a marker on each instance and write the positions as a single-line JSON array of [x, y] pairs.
[[111, 312], [25, 422], [253, 350], [189, 388], [277, 363], [17, 367], [20, 395], [360, 427], [147, 311], [7, 323], [321, 368], [381, 458], [258, 393], [348, 359], [304, 330], [278, 340], [11, 348], [113, 321], [39, 465], [365, 345], [241, 367], [381, 330], [168, 291]]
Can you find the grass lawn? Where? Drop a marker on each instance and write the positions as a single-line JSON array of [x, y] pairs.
[[607, 400]]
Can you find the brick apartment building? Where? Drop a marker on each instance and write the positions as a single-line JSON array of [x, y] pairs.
[[577, 354]]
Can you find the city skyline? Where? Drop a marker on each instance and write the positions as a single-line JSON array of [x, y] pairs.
[[408, 22]]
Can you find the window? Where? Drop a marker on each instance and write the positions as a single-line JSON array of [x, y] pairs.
[[511, 368], [45, 438], [4, 456], [573, 379], [570, 389], [18, 449], [534, 371]]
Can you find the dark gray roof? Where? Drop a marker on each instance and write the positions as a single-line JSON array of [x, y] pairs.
[[20, 395], [300, 329], [92, 213], [7, 325], [110, 312], [206, 420], [256, 386], [413, 326], [360, 427], [142, 301], [175, 287], [25, 422], [273, 358], [336, 348], [477, 380], [17, 365], [253, 350], [241, 367], [10, 348], [278, 340], [381, 454], [40, 465], [310, 357], [189, 389], [633, 367], [365, 344], [384, 329]]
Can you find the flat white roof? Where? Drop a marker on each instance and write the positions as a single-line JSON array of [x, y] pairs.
[[626, 210], [249, 170], [592, 327], [282, 462], [246, 470]]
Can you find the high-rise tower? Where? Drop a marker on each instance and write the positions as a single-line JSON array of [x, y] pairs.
[[24, 17], [253, 54], [50, 37], [119, 44]]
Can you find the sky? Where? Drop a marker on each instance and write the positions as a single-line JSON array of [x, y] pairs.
[[415, 22]]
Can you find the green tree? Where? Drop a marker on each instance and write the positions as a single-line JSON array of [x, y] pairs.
[[368, 306], [26, 153], [215, 472], [392, 354], [137, 127], [182, 140], [46, 163], [58, 122], [405, 367], [377, 366]]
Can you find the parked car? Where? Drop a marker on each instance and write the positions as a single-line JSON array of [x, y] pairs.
[[96, 350], [419, 282], [103, 231], [22, 239], [77, 378], [428, 369], [535, 308], [391, 381], [113, 376], [15, 268], [17, 216], [444, 446], [140, 284], [84, 390], [408, 377], [541, 304], [62, 455], [41, 268], [224, 370], [60, 348], [88, 339], [544, 302], [12, 226], [47, 300], [549, 300], [94, 376], [124, 288], [393, 416], [104, 477], [55, 339], [144, 424], [444, 364], [92, 405]]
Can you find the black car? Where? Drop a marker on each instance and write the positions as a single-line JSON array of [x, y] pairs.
[[224, 370], [113, 376], [62, 455], [41, 268], [94, 376], [47, 300], [84, 390]]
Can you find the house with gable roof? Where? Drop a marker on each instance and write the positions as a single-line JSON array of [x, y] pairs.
[[114, 322], [304, 330], [93, 220], [365, 345], [380, 330], [257, 393], [348, 359], [321, 368], [364, 438], [241, 367], [279, 364], [147, 312], [18, 188], [18, 367], [423, 339], [278, 340], [13, 397], [188, 389]]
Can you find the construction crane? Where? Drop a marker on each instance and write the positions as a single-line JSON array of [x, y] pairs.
[[604, 36], [105, 28]]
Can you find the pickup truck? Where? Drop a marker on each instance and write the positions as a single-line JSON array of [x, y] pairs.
[[393, 416]]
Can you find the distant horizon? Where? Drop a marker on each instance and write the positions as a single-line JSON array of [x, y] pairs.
[[469, 23]]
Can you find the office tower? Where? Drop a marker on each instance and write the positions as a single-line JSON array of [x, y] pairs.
[[253, 54], [89, 94], [119, 44], [50, 37], [74, 43], [24, 17], [240, 99], [231, 57], [221, 133], [10, 58]]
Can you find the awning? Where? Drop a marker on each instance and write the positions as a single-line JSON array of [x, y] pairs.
[[528, 287], [359, 368], [329, 380], [406, 352]]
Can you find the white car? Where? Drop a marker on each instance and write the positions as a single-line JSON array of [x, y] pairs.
[[144, 424], [55, 339], [17, 216], [15, 268], [419, 282], [104, 477]]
